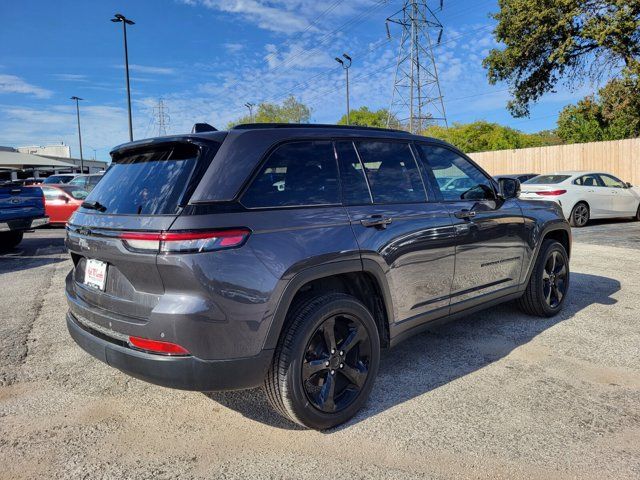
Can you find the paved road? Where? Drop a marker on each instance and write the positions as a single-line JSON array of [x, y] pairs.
[[498, 395]]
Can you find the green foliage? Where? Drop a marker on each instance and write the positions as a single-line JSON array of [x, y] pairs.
[[553, 40], [291, 111], [613, 114], [483, 136], [367, 118]]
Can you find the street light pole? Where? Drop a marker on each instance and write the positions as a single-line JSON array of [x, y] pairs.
[[117, 18], [250, 107], [77, 99], [346, 63]]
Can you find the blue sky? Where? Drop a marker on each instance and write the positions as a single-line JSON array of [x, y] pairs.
[[206, 58]]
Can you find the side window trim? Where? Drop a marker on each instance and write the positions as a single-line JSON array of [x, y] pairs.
[[433, 193], [364, 171]]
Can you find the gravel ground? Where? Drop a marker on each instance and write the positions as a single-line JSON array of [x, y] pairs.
[[498, 395]]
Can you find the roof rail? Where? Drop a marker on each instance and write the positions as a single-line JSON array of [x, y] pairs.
[[254, 126]]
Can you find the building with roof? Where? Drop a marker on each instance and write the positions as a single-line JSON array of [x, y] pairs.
[[15, 165]]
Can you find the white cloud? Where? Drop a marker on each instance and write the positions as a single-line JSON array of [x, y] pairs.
[[286, 16], [70, 77], [14, 84], [233, 47], [150, 69]]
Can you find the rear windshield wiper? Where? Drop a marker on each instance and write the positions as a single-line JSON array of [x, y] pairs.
[[94, 206]]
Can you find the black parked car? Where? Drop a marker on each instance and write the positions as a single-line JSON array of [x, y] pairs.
[[289, 255]]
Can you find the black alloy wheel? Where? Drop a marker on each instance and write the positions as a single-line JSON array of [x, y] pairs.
[[326, 361], [336, 363], [554, 278], [549, 281]]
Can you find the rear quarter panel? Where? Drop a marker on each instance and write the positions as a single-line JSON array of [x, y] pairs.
[[241, 288]]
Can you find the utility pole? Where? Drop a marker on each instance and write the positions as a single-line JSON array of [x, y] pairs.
[[416, 98], [162, 117], [250, 106], [77, 99], [346, 63], [119, 18]]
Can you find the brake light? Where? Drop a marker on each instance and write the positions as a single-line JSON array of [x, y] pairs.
[[155, 346], [185, 242], [552, 193]]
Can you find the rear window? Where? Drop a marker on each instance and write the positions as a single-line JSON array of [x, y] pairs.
[[150, 182], [548, 179]]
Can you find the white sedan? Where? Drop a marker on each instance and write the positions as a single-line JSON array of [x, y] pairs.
[[585, 195]]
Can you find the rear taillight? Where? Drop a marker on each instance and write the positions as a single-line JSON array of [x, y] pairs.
[[185, 242], [552, 193], [155, 346]]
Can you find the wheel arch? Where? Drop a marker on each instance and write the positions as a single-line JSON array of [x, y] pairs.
[[367, 284]]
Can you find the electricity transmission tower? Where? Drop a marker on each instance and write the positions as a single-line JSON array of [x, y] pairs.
[[162, 119], [416, 99]]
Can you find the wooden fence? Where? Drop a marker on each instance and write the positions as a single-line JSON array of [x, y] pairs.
[[619, 157]]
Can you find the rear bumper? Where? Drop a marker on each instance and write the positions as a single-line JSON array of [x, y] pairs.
[[185, 373], [22, 224]]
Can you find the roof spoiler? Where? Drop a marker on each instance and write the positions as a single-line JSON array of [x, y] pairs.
[[203, 127]]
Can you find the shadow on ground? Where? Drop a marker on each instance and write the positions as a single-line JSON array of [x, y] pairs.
[[32, 252], [447, 352]]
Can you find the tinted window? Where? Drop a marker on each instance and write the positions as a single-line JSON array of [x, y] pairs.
[[611, 181], [456, 177], [548, 179], [588, 181], [354, 184], [58, 179], [146, 183], [75, 192], [300, 173], [51, 193], [392, 172], [78, 181]]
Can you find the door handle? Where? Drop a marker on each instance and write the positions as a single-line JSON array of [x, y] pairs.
[[465, 214], [377, 221]]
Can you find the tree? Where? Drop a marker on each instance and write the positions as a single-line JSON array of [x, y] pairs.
[[291, 111], [367, 118], [553, 40], [483, 136], [613, 114]]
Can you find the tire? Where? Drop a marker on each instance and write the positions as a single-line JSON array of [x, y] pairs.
[[580, 215], [303, 348], [637, 217], [540, 298], [9, 240]]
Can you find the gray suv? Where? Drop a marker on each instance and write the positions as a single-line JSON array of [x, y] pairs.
[[287, 256]]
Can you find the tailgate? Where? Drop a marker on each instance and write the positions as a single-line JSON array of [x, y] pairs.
[[142, 192], [18, 202]]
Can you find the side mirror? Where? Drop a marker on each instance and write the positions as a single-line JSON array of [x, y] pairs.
[[509, 187], [63, 198], [628, 185]]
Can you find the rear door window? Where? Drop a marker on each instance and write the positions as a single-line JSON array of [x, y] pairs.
[[296, 174], [588, 181], [392, 172], [150, 182]]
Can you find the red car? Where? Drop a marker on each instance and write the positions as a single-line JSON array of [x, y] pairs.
[[60, 201]]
